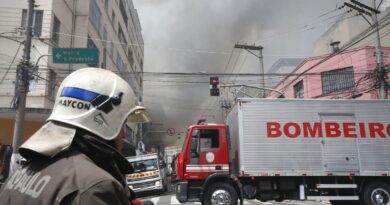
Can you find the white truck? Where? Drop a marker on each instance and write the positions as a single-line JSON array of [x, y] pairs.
[[277, 149], [149, 174]]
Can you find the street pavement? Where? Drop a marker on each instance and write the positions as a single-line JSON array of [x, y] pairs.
[[171, 199]]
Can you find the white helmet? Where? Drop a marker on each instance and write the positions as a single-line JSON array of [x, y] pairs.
[[96, 100], [93, 99]]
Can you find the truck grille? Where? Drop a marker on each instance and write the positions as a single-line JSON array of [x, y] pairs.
[[129, 180], [143, 185]]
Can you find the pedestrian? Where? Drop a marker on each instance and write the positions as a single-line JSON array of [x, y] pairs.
[[73, 158]]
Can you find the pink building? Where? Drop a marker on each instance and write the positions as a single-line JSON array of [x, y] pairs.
[[350, 74]]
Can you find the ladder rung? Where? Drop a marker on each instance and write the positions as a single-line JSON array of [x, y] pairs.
[[336, 186], [327, 198]]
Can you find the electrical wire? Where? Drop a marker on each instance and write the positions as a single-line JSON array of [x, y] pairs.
[[10, 65]]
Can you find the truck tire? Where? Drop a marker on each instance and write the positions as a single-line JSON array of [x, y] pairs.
[[376, 193], [220, 194]]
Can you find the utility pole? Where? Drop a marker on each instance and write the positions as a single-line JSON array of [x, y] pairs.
[[226, 106], [23, 78], [249, 48], [373, 12], [378, 53]]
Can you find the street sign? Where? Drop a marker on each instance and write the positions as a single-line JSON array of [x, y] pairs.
[[171, 131], [76, 55]]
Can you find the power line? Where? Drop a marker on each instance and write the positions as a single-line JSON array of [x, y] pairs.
[[13, 60]]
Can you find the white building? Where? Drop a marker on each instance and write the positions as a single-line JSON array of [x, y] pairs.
[[110, 26], [352, 30]]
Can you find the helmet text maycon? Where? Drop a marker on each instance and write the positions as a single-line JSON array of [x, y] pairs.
[[75, 104]]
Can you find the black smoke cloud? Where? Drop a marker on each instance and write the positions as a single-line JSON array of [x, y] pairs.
[[198, 36]]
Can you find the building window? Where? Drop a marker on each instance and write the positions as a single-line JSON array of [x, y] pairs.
[[51, 84], [95, 14], [36, 22], [112, 50], [209, 139], [130, 57], [91, 44], [106, 6], [298, 90], [56, 29], [113, 20], [104, 37], [123, 11], [337, 80], [122, 39], [120, 65]]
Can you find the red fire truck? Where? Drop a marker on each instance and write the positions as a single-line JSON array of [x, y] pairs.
[[277, 149]]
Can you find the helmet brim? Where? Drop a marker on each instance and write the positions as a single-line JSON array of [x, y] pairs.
[[50, 139], [138, 115]]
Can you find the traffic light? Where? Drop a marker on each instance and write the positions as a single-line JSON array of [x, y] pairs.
[[214, 88]]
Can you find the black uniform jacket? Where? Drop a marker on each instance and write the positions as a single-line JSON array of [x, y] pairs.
[[88, 173]]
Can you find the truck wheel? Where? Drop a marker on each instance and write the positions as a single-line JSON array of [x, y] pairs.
[[220, 194], [377, 193]]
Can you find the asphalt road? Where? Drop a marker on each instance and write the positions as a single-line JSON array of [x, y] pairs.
[[170, 198]]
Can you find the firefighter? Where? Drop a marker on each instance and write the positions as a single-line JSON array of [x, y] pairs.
[[73, 158]]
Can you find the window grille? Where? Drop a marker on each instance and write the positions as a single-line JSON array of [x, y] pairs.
[[337, 80]]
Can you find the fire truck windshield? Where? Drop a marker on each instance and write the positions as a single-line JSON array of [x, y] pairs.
[[145, 165]]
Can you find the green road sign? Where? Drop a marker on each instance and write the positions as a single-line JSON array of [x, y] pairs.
[[76, 55]]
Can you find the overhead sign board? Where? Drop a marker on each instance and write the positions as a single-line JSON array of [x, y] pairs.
[[76, 55]]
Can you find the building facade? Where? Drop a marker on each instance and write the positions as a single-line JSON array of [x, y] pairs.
[[112, 27], [349, 74], [344, 65]]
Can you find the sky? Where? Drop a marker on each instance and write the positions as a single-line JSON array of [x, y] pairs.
[[198, 36]]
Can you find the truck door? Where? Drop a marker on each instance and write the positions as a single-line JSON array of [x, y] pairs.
[[339, 154], [211, 153]]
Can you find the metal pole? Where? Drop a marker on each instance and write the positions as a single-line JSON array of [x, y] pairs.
[[262, 79], [379, 60], [260, 49], [23, 78]]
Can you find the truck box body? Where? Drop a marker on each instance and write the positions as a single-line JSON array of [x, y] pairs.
[[282, 137]]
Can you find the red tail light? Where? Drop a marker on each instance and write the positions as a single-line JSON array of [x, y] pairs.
[[136, 202]]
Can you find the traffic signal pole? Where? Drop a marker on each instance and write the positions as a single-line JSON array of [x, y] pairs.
[[23, 78], [260, 56]]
